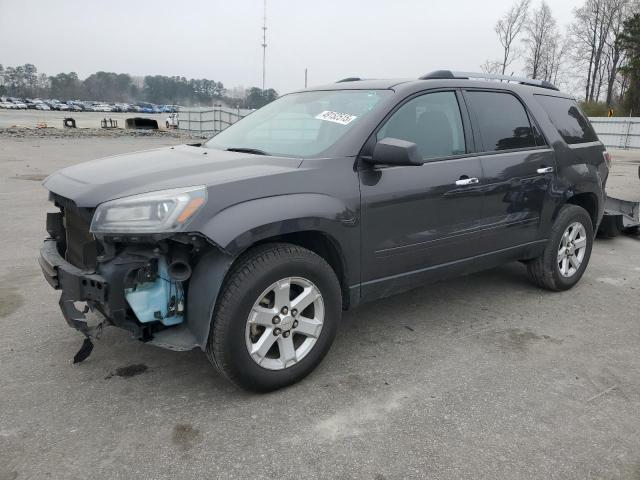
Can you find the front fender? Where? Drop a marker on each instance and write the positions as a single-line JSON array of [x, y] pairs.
[[238, 227], [204, 287]]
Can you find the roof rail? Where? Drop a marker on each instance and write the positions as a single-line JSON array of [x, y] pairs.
[[349, 79], [448, 74]]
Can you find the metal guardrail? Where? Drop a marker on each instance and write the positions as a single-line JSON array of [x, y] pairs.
[[618, 132], [209, 121]]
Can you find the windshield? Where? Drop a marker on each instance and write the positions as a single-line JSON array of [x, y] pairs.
[[300, 124]]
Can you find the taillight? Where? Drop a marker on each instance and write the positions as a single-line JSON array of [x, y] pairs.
[[607, 158]]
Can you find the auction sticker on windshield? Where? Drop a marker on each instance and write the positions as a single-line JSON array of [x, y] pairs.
[[336, 117]]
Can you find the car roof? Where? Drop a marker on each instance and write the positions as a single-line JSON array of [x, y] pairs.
[[360, 84], [410, 85]]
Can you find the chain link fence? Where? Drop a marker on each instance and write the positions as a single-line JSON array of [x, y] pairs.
[[618, 132], [209, 121]]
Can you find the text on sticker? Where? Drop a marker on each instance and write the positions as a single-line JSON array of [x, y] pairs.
[[336, 117]]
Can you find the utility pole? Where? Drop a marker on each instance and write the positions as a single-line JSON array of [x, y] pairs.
[[264, 47], [305, 78]]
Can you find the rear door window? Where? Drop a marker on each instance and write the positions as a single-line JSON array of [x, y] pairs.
[[502, 121], [566, 116]]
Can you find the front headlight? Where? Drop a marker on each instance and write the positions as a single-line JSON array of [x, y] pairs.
[[153, 212]]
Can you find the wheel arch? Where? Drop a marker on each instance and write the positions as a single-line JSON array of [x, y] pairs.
[[213, 269], [323, 245], [588, 201]]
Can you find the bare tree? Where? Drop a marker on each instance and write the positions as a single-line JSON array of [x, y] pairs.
[[43, 83], [508, 28], [615, 56], [491, 67], [540, 33], [594, 31], [554, 52]]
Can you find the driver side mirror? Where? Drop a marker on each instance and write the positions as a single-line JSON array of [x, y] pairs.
[[396, 152]]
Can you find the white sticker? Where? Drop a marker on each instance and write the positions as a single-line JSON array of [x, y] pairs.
[[336, 117]]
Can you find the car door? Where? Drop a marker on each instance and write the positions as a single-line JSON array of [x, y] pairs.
[[518, 165], [416, 218]]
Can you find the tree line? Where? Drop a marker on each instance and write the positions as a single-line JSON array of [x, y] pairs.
[[24, 81], [596, 56]]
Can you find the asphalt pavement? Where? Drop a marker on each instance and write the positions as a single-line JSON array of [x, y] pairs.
[[481, 377]]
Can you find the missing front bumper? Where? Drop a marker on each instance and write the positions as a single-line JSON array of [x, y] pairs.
[[104, 291], [75, 284]]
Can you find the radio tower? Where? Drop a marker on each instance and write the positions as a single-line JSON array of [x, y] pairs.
[[264, 46]]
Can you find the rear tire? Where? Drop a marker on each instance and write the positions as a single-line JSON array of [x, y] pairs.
[[567, 253], [245, 317]]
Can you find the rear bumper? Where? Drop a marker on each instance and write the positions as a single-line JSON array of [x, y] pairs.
[[76, 285]]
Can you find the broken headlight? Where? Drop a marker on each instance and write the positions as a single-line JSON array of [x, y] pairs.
[[153, 212]]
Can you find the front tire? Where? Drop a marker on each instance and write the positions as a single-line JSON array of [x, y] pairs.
[[276, 317], [567, 253]]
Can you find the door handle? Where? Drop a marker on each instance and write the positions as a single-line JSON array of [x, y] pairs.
[[467, 181], [545, 170]]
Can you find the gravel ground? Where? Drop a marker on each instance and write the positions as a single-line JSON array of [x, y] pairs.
[[77, 133], [484, 376], [54, 119]]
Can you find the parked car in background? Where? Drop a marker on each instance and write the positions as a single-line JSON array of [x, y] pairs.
[[124, 107], [103, 107], [42, 106], [145, 107], [172, 121]]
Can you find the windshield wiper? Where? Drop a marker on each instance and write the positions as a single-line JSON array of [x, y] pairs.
[[253, 151]]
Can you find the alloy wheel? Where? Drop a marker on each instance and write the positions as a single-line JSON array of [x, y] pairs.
[[571, 251], [284, 323]]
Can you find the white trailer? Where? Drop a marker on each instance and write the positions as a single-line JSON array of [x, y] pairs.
[[622, 210]]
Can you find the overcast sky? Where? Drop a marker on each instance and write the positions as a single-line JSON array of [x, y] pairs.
[[221, 40]]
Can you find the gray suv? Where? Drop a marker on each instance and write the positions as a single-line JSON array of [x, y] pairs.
[[250, 245]]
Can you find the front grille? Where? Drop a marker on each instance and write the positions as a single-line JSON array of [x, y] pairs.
[[81, 247]]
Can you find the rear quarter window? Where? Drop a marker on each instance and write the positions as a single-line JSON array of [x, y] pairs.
[[566, 116]]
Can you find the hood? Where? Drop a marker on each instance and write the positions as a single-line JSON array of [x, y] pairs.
[[91, 183]]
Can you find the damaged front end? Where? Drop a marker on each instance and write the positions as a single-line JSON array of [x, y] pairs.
[[160, 286]]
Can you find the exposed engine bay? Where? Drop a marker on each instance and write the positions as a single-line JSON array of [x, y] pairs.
[[137, 282]]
